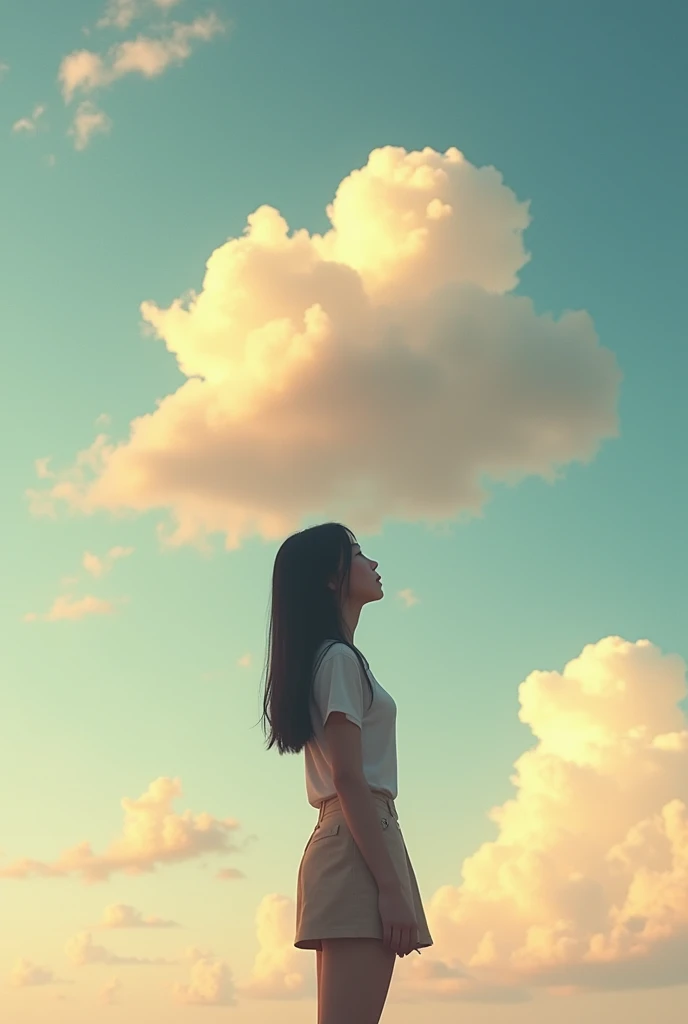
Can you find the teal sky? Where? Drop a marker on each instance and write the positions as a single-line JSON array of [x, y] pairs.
[[581, 109]]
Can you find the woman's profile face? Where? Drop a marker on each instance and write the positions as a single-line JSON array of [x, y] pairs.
[[364, 585]]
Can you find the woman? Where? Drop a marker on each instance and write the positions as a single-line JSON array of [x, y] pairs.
[[358, 904]]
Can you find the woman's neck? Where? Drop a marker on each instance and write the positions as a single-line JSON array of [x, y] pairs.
[[350, 617]]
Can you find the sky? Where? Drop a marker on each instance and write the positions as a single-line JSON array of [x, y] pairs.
[[418, 268]]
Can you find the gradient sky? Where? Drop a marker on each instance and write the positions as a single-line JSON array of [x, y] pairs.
[[132, 663]]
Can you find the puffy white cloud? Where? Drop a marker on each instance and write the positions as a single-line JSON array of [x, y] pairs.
[[586, 884], [152, 834], [381, 369], [82, 951], [122, 915], [68, 609], [426, 977], [84, 71], [278, 970], [88, 121], [211, 984]]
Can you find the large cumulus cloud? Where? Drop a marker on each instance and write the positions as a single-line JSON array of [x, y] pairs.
[[381, 369], [586, 884]]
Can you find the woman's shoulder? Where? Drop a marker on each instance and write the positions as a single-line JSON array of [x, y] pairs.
[[332, 648]]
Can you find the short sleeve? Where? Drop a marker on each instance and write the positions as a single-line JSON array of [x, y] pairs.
[[338, 685]]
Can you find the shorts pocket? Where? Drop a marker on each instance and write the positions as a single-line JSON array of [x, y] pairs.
[[324, 833]]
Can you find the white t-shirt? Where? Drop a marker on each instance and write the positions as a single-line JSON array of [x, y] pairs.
[[339, 685]]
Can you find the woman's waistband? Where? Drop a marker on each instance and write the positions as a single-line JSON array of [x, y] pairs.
[[332, 804]]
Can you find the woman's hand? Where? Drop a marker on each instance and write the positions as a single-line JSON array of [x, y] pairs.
[[399, 925]]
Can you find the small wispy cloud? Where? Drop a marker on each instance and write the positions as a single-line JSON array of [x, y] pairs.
[[88, 121], [30, 124], [109, 992], [121, 13], [408, 597], [245, 661], [85, 71], [99, 566], [41, 467], [66, 608], [227, 874], [122, 915], [4, 69], [82, 951], [25, 974], [193, 953]]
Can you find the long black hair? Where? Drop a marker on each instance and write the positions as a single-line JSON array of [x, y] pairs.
[[304, 613]]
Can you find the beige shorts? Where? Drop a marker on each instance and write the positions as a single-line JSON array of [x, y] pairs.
[[336, 892]]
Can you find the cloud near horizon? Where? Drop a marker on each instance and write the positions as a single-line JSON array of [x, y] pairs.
[[586, 884], [26, 974], [381, 369], [83, 952], [152, 834], [279, 969], [211, 983], [123, 915], [280, 972], [110, 991]]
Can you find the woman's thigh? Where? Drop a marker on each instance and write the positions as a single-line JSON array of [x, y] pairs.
[[354, 979]]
